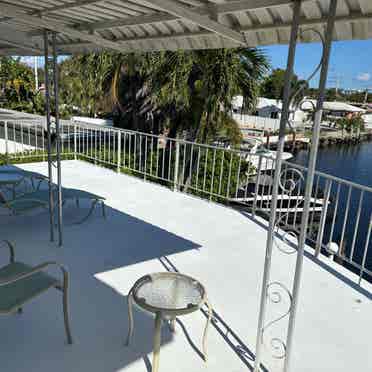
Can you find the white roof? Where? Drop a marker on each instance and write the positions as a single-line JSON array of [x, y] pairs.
[[269, 102], [144, 25], [332, 106]]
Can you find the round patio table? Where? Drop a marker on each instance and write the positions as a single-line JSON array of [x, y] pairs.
[[167, 295]]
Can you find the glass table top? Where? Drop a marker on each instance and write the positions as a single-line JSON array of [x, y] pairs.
[[169, 291]]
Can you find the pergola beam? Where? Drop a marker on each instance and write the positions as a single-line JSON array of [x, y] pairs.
[[356, 17], [158, 17], [25, 47], [16, 12], [180, 11], [219, 9]]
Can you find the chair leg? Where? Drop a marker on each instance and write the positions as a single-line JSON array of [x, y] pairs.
[[130, 318], [103, 209], [65, 307]]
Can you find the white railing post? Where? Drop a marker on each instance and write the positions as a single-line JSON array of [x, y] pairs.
[[6, 138], [176, 166], [75, 141], [323, 217], [257, 186], [119, 152]]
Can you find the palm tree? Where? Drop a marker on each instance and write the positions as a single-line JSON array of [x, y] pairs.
[[184, 91], [195, 89]]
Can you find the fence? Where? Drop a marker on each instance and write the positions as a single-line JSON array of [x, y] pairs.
[[258, 122], [340, 219]]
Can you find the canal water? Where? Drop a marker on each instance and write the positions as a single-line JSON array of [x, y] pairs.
[[352, 163]]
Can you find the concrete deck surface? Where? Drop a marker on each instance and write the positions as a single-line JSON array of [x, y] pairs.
[[149, 228]]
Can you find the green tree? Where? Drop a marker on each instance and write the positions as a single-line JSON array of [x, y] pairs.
[[195, 89], [273, 86], [179, 91], [17, 86]]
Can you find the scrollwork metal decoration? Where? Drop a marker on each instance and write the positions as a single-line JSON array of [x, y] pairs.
[[275, 290]]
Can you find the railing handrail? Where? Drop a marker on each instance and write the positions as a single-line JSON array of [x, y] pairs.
[[331, 177]]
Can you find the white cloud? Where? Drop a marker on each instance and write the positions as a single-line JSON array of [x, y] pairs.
[[364, 76]]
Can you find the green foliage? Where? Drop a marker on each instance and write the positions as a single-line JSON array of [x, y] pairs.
[[179, 91], [195, 89], [182, 92], [17, 86], [353, 125], [273, 86], [84, 81], [219, 175]]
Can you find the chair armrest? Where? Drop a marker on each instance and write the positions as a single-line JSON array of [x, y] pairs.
[[13, 203], [35, 270], [11, 249]]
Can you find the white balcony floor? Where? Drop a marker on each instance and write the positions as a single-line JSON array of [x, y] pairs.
[[221, 247]]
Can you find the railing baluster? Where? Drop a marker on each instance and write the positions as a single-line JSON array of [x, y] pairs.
[[163, 160], [176, 166], [151, 154], [341, 248], [184, 164], [221, 172], [145, 171], [229, 176], [212, 180], [323, 217], [6, 137], [363, 265], [360, 205], [238, 176], [205, 168], [22, 147], [197, 170], [119, 152], [335, 213], [14, 138], [140, 153], [257, 185]]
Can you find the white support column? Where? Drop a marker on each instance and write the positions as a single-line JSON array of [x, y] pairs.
[[310, 180], [275, 191]]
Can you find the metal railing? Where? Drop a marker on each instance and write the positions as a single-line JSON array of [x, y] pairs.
[[208, 171], [27, 139], [340, 219]]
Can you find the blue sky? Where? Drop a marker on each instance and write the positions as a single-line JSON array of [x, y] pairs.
[[350, 64]]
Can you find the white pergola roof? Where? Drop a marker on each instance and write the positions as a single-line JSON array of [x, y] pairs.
[[137, 25]]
